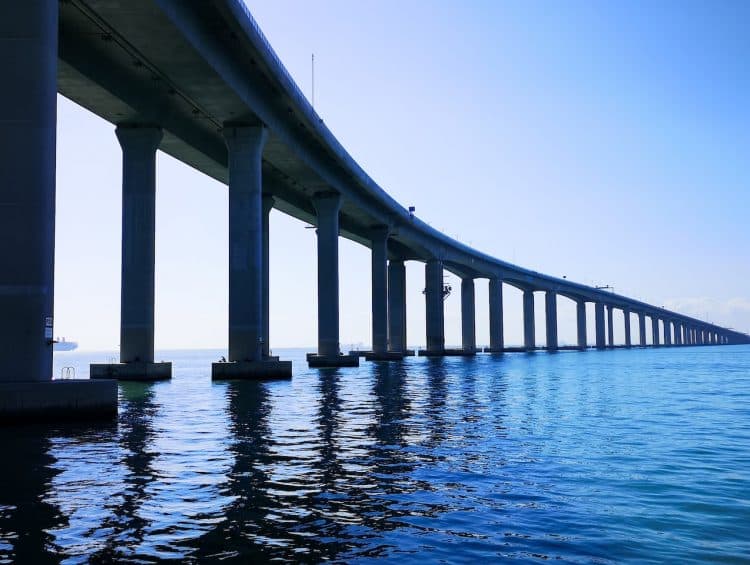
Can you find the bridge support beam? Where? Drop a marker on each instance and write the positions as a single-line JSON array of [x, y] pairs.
[[139, 145], [379, 274], [248, 267], [581, 324], [626, 317], [599, 320], [28, 121], [397, 307], [654, 331], [642, 329], [529, 331], [550, 310], [667, 332], [327, 206], [468, 316], [434, 314], [496, 316], [268, 202], [610, 326]]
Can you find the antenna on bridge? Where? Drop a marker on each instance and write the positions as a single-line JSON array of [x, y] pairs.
[[312, 68]]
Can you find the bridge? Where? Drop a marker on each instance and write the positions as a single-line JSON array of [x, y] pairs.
[[198, 81]]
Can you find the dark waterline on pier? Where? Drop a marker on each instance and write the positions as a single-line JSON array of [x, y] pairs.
[[614, 455]]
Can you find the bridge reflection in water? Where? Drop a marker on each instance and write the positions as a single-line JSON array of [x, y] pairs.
[[433, 457]]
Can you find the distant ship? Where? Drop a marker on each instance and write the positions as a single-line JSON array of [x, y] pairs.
[[61, 345]]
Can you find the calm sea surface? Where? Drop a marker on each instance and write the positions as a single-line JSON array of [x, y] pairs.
[[607, 456]]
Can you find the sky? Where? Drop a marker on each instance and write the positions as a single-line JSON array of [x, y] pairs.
[[602, 141]]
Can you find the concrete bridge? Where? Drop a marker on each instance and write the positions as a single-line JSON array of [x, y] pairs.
[[199, 81]]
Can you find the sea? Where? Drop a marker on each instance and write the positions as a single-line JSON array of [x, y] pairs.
[[617, 456]]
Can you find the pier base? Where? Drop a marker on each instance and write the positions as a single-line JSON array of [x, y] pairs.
[[447, 353], [251, 370], [78, 399], [385, 356], [135, 371], [320, 361]]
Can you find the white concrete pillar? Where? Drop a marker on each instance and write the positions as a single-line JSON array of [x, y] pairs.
[[610, 326]]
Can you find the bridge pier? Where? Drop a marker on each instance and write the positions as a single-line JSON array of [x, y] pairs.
[[397, 307], [599, 320], [642, 329], [654, 331], [434, 314], [28, 122], [626, 317], [139, 145], [468, 316], [327, 206], [581, 324], [379, 275], [667, 332], [550, 311], [610, 326], [497, 342], [529, 331], [247, 268], [267, 202]]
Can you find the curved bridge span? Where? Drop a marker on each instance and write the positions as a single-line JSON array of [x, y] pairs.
[[199, 81]]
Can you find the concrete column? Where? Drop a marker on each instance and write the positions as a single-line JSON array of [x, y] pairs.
[[550, 310], [379, 272], [677, 333], [497, 342], [268, 202], [468, 315], [667, 332], [654, 331], [397, 306], [610, 326], [327, 206], [581, 325], [28, 54], [599, 319], [642, 329], [529, 336], [245, 151], [139, 146], [626, 317], [434, 306]]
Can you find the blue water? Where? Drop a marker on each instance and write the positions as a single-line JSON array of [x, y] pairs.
[[610, 456]]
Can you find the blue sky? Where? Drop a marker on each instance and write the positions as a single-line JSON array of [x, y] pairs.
[[604, 141]]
